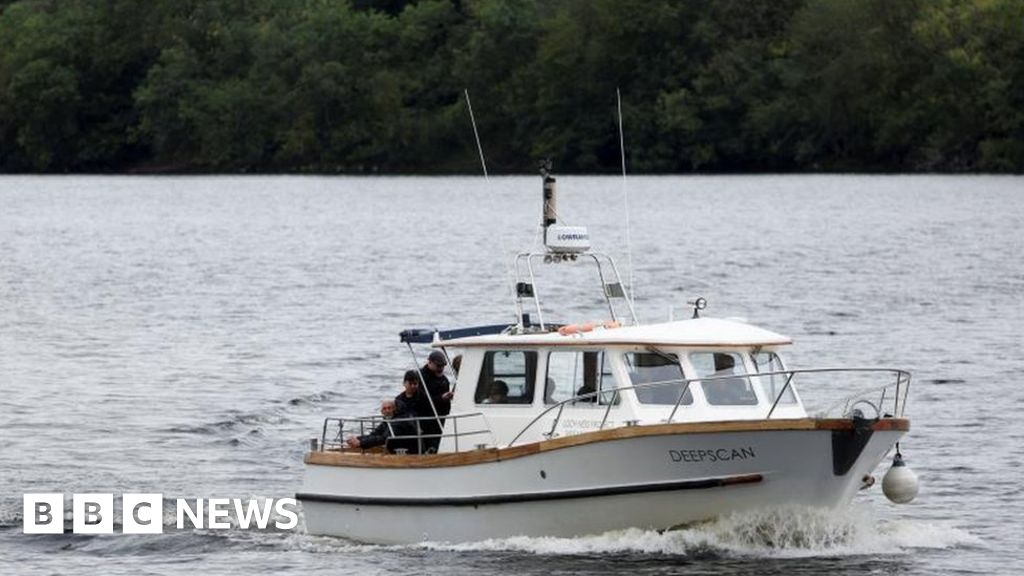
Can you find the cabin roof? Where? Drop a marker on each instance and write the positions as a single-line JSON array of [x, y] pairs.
[[695, 332]]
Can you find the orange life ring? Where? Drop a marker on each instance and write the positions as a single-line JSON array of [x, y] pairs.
[[570, 329]]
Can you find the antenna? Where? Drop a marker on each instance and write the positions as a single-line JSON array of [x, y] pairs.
[[476, 134], [625, 201], [504, 249]]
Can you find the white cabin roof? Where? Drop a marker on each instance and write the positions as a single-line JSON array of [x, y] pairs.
[[695, 332]]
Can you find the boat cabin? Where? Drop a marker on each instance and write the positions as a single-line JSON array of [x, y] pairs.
[[528, 387]]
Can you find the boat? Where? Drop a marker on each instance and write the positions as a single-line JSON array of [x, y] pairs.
[[575, 429]]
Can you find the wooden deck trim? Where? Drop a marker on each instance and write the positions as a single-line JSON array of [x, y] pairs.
[[357, 459]]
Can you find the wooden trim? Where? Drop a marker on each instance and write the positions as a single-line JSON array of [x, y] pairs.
[[356, 459], [674, 485]]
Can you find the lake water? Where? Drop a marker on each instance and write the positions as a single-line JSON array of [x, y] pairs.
[[187, 335]]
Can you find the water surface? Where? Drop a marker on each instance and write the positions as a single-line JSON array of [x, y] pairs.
[[187, 335]]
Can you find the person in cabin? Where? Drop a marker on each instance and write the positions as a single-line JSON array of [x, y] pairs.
[[549, 391], [728, 391], [498, 393], [434, 395]]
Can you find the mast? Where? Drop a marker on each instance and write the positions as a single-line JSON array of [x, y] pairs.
[[562, 243], [550, 205]]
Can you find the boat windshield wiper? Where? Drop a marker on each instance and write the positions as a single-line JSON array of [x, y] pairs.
[[667, 356]]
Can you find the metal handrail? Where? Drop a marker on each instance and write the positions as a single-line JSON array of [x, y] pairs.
[[902, 381], [850, 401], [529, 257], [902, 385], [419, 436]]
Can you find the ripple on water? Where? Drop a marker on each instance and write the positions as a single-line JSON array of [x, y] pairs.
[[188, 335]]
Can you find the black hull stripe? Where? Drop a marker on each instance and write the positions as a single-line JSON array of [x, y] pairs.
[[536, 496]]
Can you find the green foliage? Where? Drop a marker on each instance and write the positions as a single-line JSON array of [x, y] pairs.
[[66, 70], [365, 86]]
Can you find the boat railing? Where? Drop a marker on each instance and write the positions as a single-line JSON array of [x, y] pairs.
[[407, 430], [888, 400], [872, 402], [612, 286]]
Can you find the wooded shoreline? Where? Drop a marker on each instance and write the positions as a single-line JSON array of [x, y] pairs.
[[365, 87]]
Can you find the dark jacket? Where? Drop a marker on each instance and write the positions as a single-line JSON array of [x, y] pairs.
[[384, 434], [405, 407], [377, 437], [435, 386]]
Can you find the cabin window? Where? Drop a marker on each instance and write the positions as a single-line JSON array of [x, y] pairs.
[[578, 373], [773, 384], [659, 377], [507, 377], [723, 390]]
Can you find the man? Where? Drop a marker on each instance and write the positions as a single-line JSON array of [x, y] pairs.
[[380, 434], [498, 393], [405, 407], [434, 395], [728, 391], [405, 402]]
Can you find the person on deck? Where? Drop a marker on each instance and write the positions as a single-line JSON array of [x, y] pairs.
[[379, 435], [434, 395], [405, 402], [405, 407]]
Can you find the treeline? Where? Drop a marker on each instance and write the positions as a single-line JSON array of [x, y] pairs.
[[363, 86]]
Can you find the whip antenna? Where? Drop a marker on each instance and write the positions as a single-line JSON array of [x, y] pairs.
[[625, 201], [483, 163], [476, 134]]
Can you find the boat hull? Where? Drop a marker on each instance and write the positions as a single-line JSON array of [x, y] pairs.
[[650, 477]]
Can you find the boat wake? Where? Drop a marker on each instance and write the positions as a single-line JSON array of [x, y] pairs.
[[780, 533], [776, 532]]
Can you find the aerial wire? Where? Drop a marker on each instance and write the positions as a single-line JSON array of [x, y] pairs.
[[476, 134], [625, 202], [501, 237]]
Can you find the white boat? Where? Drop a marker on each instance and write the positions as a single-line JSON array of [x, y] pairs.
[[604, 426]]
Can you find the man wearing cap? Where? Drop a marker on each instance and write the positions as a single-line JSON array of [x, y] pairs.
[[434, 394]]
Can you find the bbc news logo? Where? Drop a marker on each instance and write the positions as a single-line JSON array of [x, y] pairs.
[[143, 513]]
